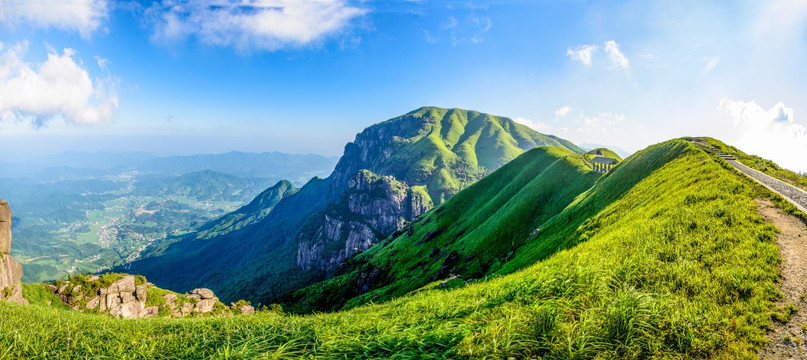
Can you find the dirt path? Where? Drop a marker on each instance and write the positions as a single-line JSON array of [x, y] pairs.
[[787, 341]]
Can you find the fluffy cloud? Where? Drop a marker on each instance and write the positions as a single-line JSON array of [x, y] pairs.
[[771, 133], [58, 87], [562, 112], [615, 57], [600, 123], [583, 54], [84, 16], [259, 24]]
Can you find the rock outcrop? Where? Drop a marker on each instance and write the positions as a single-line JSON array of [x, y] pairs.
[[127, 297], [373, 207], [10, 269]]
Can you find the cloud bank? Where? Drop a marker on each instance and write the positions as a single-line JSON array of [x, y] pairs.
[[259, 24], [83, 16], [770, 133], [58, 87]]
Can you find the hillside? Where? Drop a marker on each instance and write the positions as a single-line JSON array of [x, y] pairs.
[[389, 175], [664, 257], [205, 185]]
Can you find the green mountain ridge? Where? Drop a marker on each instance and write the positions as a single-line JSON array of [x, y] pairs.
[[664, 257], [440, 151]]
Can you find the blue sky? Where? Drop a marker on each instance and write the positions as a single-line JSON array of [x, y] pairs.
[[305, 76]]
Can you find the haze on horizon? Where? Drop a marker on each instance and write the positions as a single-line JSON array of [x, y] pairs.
[[211, 76]]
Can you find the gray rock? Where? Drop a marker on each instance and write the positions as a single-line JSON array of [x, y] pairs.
[[170, 300], [126, 297], [205, 305], [125, 284], [10, 275], [131, 310], [378, 206], [246, 309], [93, 302], [140, 292], [203, 293], [187, 309], [5, 228], [151, 311]]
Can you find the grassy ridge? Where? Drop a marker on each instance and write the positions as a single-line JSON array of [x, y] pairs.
[[454, 147], [678, 265], [470, 235]]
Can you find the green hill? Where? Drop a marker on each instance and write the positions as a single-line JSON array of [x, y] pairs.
[[435, 152], [604, 153], [664, 257]]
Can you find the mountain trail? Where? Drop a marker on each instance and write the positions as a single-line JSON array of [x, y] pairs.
[[787, 340]]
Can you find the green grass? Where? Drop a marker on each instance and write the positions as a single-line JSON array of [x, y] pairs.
[[672, 261]]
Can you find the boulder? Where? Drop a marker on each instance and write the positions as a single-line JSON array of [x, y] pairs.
[[10, 275], [202, 293], [246, 309], [151, 311], [170, 300], [130, 310], [125, 284], [205, 305], [93, 302], [187, 309], [140, 293]]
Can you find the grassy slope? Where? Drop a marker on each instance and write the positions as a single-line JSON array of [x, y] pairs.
[[465, 235], [680, 266], [457, 147]]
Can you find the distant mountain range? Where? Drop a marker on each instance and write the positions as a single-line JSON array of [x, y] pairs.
[[391, 174], [81, 165]]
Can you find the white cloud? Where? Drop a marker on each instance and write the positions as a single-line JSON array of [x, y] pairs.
[[562, 112], [541, 127], [582, 54], [259, 24], [711, 63], [601, 123], [772, 133], [58, 87], [84, 16], [615, 56]]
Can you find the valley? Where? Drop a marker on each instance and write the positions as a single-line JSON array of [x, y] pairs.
[[89, 219]]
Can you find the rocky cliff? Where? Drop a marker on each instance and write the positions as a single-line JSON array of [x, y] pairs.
[[373, 207], [10, 269]]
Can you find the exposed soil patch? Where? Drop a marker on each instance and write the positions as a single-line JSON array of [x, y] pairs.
[[787, 340]]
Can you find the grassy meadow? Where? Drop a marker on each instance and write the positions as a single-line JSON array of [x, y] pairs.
[[680, 266]]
